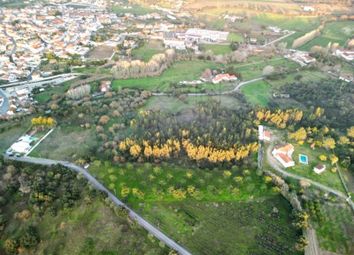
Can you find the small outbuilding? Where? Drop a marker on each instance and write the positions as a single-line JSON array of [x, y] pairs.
[[320, 168]]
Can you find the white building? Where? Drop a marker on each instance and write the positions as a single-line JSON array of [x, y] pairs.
[[20, 147], [175, 44], [204, 35], [348, 55], [319, 169]]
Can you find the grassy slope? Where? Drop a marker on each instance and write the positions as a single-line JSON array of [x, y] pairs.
[[335, 230], [191, 70], [136, 10], [327, 178], [46, 95], [217, 49], [334, 32], [91, 229], [66, 143], [257, 93], [183, 70], [11, 133], [224, 228], [174, 105], [223, 220], [146, 51]]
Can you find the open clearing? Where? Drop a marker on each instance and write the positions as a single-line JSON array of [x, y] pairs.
[[10, 132], [183, 70], [217, 49], [175, 105], [257, 93], [101, 52], [149, 49], [67, 143]]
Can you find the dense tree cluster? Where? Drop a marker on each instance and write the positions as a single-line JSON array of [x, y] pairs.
[[334, 97], [44, 190], [212, 135]]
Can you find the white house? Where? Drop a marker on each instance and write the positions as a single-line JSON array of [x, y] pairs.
[[283, 155], [319, 169]]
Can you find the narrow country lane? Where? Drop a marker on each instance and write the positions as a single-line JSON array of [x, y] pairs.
[[140, 220]]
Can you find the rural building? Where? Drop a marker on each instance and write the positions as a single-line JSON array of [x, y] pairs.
[[319, 169], [223, 77], [263, 135], [204, 35], [175, 44], [348, 55], [283, 154], [20, 147]]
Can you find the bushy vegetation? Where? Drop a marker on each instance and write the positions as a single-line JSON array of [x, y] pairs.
[[43, 207]]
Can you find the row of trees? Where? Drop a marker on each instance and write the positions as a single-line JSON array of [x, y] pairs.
[[43, 121], [176, 148], [137, 68], [279, 118]]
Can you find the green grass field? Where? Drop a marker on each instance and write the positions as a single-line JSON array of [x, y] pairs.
[[218, 213], [333, 32], [91, 229], [234, 37], [227, 227], [253, 68], [257, 93], [183, 70], [301, 76], [146, 51], [67, 143], [46, 95], [191, 70], [327, 177], [11, 131], [336, 228], [301, 24], [175, 105], [135, 10], [216, 49]]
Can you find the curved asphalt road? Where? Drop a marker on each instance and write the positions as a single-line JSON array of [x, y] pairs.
[[150, 228]]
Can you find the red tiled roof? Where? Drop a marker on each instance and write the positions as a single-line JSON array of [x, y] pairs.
[[284, 157]]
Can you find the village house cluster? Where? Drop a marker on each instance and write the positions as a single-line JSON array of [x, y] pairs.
[[27, 34]]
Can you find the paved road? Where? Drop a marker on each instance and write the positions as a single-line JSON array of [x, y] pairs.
[[4, 107], [313, 248], [150, 228], [55, 79]]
